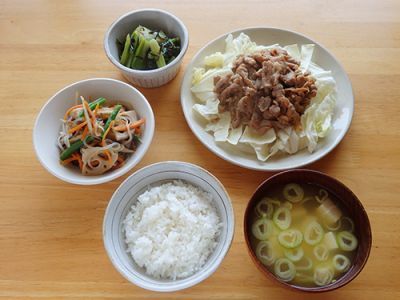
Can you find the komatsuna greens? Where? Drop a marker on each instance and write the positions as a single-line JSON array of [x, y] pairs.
[[146, 49]]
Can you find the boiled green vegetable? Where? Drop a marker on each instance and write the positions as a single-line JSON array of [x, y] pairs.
[[146, 49]]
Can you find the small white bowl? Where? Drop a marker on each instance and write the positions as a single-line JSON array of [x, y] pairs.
[[48, 124], [155, 19], [126, 195]]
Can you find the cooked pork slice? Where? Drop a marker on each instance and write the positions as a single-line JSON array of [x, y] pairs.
[[266, 89]]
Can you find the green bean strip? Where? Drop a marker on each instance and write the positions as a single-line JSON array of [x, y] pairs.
[[74, 147], [111, 117], [93, 105]]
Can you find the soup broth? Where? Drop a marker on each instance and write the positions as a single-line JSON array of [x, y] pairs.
[[300, 234]]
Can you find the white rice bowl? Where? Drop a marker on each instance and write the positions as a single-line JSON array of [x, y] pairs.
[[127, 195], [172, 229]]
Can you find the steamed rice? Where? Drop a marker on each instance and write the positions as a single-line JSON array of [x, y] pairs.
[[172, 230]]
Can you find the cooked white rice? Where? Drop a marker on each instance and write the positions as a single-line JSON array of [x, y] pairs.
[[172, 230]]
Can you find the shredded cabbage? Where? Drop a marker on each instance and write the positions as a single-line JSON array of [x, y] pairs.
[[316, 121]]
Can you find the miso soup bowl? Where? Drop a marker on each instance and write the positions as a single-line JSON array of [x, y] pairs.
[[348, 202], [154, 19]]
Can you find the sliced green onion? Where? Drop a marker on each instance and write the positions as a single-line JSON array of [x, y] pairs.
[[290, 238], [264, 253], [293, 192], [275, 202], [330, 241], [347, 241], [321, 252], [264, 208], [262, 229], [323, 276], [304, 264], [309, 203], [333, 227], [284, 269], [288, 205], [350, 224], [323, 195], [294, 254], [282, 218], [313, 233], [341, 262], [306, 199]]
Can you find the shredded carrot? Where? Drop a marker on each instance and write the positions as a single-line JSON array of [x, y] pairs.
[[76, 128], [91, 115], [68, 160], [71, 109], [95, 111], [84, 133], [78, 158], [103, 143], [106, 152], [131, 126]]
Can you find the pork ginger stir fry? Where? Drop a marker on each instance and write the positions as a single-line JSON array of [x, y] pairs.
[[98, 137], [266, 89]]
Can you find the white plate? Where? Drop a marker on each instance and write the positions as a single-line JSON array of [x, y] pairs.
[[267, 36]]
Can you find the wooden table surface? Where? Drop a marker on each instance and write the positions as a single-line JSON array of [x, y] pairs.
[[50, 231]]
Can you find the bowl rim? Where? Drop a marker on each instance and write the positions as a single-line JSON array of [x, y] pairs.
[[104, 177], [264, 167], [196, 279], [177, 59], [269, 274]]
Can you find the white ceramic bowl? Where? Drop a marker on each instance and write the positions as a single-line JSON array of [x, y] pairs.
[[266, 36], [155, 19], [126, 195], [48, 124]]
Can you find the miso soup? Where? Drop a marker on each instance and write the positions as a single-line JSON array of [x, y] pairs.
[[300, 234]]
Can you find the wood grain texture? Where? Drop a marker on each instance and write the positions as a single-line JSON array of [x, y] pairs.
[[50, 231]]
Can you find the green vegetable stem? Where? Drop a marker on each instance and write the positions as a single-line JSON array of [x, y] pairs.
[[74, 147], [112, 117]]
